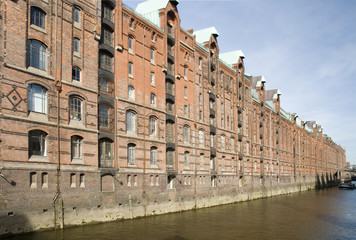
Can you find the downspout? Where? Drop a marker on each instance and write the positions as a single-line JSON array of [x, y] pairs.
[[144, 135]]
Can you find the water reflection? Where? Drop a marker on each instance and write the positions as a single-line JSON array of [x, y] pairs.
[[323, 214]]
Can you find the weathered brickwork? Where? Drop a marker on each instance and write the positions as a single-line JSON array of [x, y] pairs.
[[109, 113]]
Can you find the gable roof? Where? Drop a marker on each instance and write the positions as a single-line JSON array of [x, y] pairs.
[[231, 57], [203, 35]]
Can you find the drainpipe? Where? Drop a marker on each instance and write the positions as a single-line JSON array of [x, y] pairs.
[[144, 135]]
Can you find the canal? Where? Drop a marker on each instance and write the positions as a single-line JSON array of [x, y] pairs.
[[323, 214]]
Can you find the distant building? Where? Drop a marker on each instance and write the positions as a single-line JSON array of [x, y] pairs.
[[107, 113]]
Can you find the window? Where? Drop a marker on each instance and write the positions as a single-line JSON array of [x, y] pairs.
[[223, 142], [186, 159], [76, 13], [211, 140], [169, 131], [37, 143], [153, 37], [130, 44], [170, 183], [72, 180], [131, 92], [103, 85], [82, 180], [37, 98], [200, 98], [152, 56], [131, 69], [76, 147], [200, 115], [153, 156], [130, 122], [200, 63], [200, 82], [131, 23], [153, 126], [186, 134], [170, 158], [36, 54], [105, 152], [76, 45], [153, 99], [185, 72], [107, 36], [232, 142], [201, 137], [76, 74], [103, 116], [44, 179], [105, 61], [152, 79], [169, 88], [75, 107], [185, 92], [169, 107], [38, 17], [201, 160], [107, 12], [131, 153], [186, 111]]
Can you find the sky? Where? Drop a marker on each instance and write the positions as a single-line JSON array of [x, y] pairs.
[[305, 48]]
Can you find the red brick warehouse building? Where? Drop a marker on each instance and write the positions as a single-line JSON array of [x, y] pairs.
[[108, 112]]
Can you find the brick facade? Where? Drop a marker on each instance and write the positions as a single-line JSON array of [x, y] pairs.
[[106, 114]]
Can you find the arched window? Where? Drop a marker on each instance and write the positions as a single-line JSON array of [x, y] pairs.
[[37, 98], [201, 137], [105, 152], [76, 108], [36, 54], [103, 115], [76, 74], [37, 143], [131, 92], [186, 134], [130, 121], [153, 155], [186, 159], [38, 17], [76, 147], [76, 15], [131, 153], [153, 126]]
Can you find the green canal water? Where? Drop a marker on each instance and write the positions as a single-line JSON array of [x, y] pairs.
[[323, 214]]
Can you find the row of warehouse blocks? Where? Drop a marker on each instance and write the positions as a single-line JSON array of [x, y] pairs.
[[97, 85]]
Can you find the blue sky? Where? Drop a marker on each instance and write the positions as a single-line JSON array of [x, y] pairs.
[[306, 48]]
